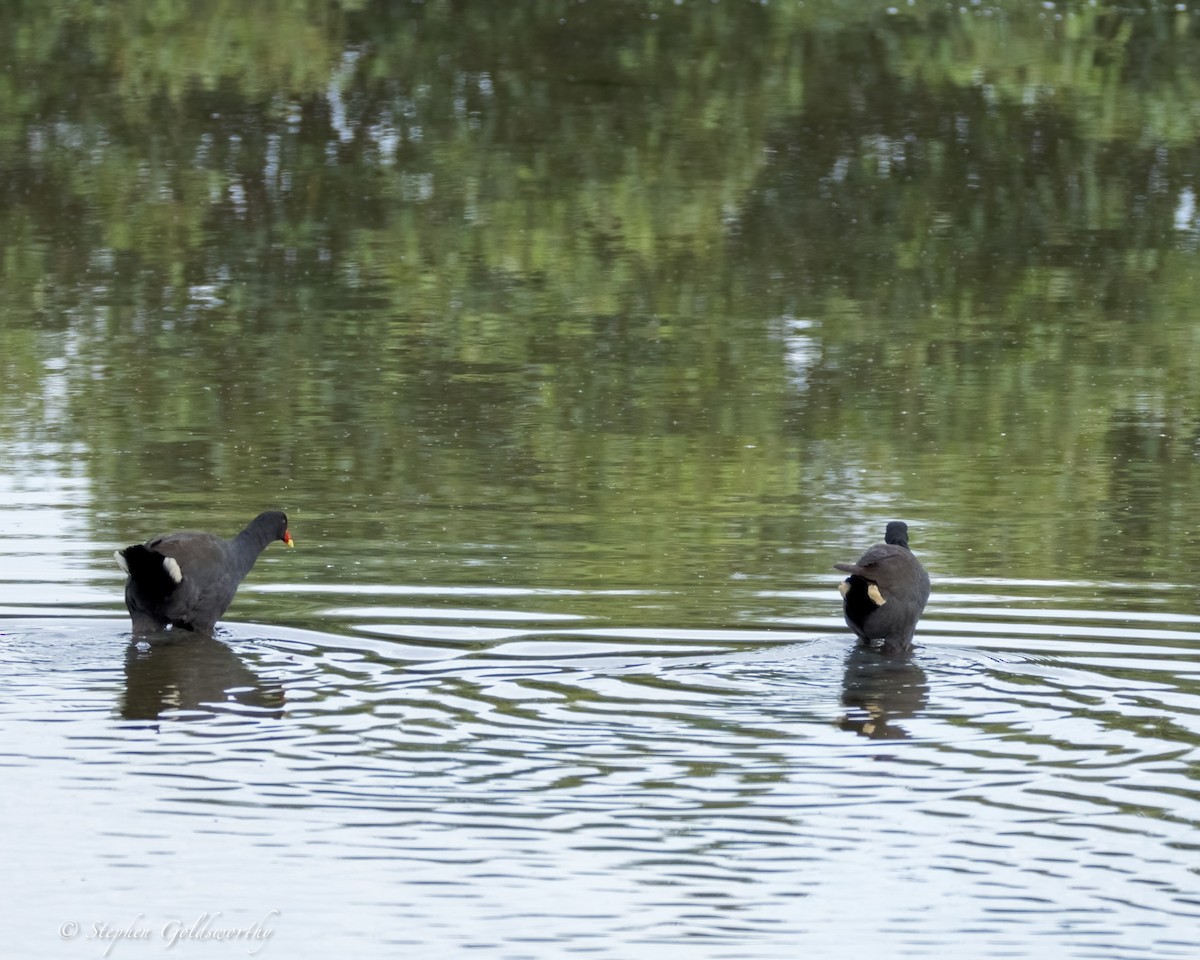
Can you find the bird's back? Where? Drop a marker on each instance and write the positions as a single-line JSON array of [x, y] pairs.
[[206, 587], [885, 594]]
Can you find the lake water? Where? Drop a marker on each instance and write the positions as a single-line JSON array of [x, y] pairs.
[[533, 771], [579, 341]]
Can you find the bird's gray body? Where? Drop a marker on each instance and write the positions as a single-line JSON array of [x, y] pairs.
[[886, 592], [188, 579]]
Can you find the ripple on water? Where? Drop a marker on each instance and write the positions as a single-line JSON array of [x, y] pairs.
[[1026, 778]]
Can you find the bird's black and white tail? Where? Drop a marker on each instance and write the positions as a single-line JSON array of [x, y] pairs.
[[154, 574]]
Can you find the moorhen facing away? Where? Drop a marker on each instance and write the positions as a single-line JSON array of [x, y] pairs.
[[886, 591], [187, 580]]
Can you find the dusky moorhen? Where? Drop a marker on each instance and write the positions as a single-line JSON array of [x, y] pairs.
[[187, 580], [886, 591]]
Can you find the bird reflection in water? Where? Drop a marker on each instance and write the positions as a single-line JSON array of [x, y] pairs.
[[193, 675], [880, 690]]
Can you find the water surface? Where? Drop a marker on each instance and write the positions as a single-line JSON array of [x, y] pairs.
[[579, 341], [529, 771]]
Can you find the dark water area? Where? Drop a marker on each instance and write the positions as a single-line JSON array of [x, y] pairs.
[[579, 341]]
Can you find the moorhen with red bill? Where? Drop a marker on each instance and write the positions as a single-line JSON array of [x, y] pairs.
[[187, 580]]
